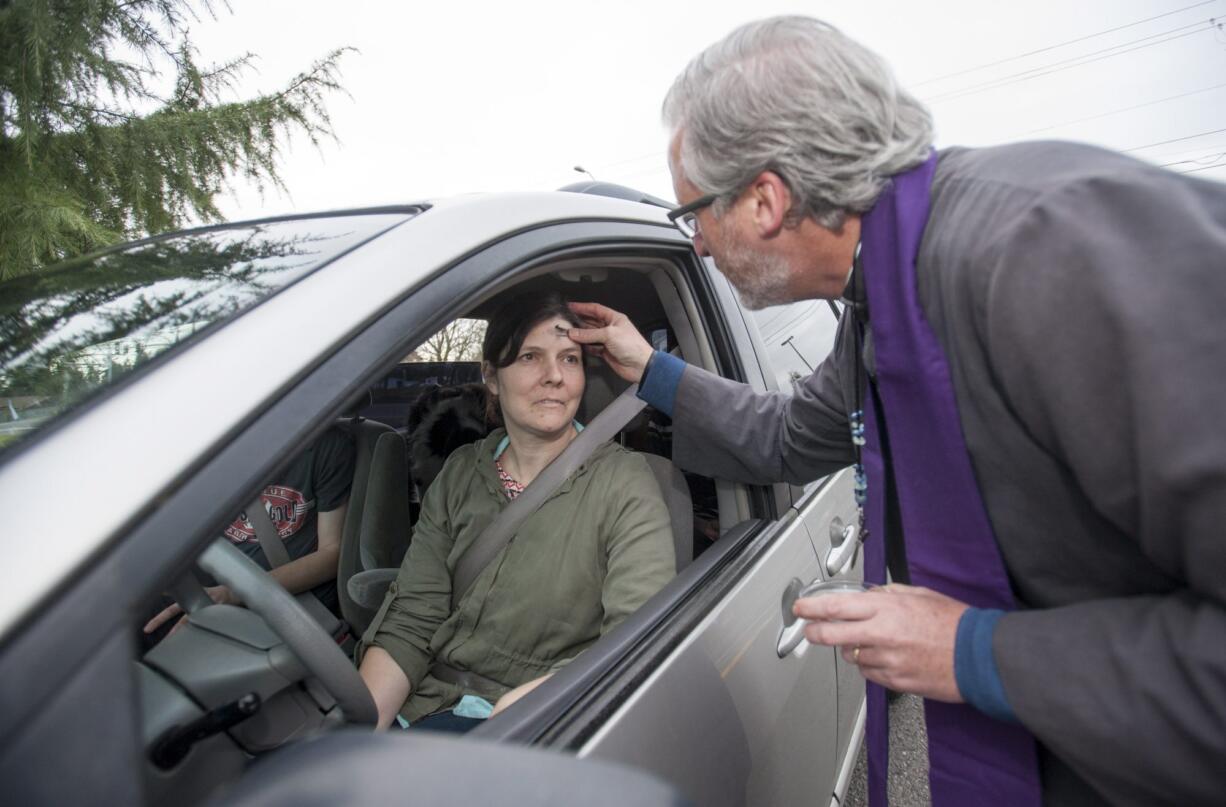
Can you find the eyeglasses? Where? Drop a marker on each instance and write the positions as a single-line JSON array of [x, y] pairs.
[[686, 216]]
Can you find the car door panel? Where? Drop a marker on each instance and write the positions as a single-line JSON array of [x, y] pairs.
[[822, 504], [82, 746], [791, 339], [726, 719]]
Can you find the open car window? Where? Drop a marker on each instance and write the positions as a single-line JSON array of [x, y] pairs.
[[449, 358], [69, 333], [797, 336]]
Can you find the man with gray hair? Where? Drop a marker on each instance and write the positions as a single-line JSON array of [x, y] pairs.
[[1029, 378]]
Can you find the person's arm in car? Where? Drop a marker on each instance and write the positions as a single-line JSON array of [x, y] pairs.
[[319, 566], [417, 602], [514, 695], [387, 682], [296, 576]]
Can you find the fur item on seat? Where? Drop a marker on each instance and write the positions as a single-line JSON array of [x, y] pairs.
[[442, 419]]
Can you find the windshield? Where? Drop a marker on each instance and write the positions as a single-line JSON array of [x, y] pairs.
[[70, 332]]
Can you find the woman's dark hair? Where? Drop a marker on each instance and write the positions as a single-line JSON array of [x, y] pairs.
[[507, 329]]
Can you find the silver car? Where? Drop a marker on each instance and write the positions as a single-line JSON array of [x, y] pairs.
[[147, 394]]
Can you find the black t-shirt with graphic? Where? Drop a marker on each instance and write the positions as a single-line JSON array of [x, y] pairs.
[[317, 481]]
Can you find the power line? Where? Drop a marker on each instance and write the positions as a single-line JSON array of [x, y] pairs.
[[1182, 154], [1205, 168], [1060, 44], [1173, 140], [1043, 70], [1076, 61], [1209, 159], [1125, 109]]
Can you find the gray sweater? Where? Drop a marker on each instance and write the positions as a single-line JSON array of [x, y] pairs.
[[1080, 297]]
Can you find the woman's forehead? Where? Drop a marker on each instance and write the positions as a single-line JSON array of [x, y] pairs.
[[551, 333]]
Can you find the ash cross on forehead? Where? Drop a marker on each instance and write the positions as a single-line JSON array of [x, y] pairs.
[[559, 331]]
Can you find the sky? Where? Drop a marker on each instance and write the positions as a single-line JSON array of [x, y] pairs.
[[452, 98]]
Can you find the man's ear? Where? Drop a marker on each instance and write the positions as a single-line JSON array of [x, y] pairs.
[[771, 200]]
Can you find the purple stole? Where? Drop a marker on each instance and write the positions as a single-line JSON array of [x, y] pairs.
[[950, 547]]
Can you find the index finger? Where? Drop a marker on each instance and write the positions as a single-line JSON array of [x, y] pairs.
[[589, 337], [846, 607], [600, 315]]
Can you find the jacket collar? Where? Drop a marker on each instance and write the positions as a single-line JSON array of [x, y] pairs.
[[489, 447]]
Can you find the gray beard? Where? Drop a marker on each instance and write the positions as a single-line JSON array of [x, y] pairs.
[[760, 280]]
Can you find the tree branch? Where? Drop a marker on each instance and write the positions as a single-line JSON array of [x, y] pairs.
[[122, 116]]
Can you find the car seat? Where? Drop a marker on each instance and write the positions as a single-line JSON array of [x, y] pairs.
[[377, 528], [603, 385], [680, 509]]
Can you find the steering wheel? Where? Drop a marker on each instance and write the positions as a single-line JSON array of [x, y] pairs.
[[317, 651]]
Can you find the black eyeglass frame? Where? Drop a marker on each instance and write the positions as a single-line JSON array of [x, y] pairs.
[[684, 218]]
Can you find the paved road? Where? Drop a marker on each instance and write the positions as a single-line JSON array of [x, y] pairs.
[[908, 779]]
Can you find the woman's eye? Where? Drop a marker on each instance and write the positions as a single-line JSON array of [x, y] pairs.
[[527, 356], [571, 359]]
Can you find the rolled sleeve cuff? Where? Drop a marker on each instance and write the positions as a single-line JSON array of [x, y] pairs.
[[412, 661], [408, 658], [975, 665], [660, 380]]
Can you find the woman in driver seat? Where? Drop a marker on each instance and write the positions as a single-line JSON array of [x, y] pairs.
[[595, 551]]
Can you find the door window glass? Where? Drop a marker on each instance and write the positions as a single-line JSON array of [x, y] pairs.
[[451, 357], [67, 333], [797, 336]]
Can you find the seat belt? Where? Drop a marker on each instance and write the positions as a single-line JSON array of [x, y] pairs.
[[498, 533], [271, 543], [274, 549]]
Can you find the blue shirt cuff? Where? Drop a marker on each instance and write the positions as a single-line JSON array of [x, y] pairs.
[[660, 380], [975, 665]]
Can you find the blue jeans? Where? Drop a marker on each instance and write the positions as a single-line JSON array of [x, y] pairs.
[[447, 721]]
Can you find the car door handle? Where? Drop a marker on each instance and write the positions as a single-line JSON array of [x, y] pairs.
[[793, 632], [844, 543]]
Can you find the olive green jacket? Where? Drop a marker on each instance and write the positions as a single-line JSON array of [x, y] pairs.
[[595, 551]]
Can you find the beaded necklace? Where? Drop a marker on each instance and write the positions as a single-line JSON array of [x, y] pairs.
[[856, 418]]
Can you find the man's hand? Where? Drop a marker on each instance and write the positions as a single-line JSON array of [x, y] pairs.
[[612, 336], [219, 594], [905, 636]]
